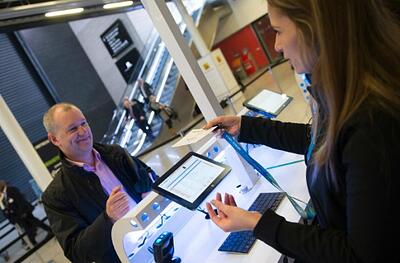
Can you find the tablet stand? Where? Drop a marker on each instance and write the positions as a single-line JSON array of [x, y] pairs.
[[246, 174]]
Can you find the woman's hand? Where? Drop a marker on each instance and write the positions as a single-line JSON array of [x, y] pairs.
[[230, 123], [231, 218]]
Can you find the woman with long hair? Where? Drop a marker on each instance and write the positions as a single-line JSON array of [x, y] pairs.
[[351, 50]]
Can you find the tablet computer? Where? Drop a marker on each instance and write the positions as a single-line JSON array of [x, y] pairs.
[[191, 180], [268, 103]]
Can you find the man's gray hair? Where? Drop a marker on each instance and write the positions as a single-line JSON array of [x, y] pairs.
[[48, 117]]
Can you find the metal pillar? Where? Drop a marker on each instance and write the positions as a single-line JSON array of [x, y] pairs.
[[196, 36], [183, 58], [23, 146]]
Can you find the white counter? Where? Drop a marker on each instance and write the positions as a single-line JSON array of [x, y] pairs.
[[197, 239]]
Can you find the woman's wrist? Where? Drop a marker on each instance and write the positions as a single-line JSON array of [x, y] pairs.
[[253, 219]]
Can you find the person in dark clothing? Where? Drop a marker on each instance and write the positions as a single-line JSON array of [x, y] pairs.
[[165, 112], [96, 185], [351, 148], [135, 109], [19, 211], [145, 89], [394, 6]]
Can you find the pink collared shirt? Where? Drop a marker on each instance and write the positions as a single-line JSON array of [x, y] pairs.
[[107, 178]]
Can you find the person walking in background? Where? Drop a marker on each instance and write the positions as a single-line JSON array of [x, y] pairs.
[[135, 109], [165, 112], [145, 89], [18, 211]]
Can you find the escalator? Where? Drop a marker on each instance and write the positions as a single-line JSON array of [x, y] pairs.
[[161, 73]]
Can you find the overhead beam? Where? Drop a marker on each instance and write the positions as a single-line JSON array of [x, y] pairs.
[[183, 57]]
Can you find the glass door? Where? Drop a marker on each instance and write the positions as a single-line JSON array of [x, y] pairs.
[[266, 36]]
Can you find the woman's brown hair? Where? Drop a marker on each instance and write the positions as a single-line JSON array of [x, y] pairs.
[[356, 44]]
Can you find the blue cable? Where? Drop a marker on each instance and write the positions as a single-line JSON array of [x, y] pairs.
[[284, 164]]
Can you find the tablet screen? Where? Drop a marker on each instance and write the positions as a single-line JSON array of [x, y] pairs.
[[191, 178], [190, 181]]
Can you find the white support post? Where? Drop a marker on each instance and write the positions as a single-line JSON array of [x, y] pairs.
[[183, 57], [23, 146], [196, 35]]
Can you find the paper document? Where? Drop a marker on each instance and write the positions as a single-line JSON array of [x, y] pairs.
[[193, 136]]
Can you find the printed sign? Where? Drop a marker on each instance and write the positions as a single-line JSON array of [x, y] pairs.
[[116, 38]]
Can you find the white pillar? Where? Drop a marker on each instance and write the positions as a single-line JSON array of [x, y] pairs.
[[195, 33], [23, 146], [183, 58]]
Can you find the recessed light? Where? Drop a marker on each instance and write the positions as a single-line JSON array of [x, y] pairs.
[[64, 12], [118, 4]]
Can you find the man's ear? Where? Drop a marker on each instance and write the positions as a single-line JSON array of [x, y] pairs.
[[53, 139]]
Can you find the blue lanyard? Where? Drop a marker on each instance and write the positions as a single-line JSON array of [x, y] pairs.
[[310, 149], [307, 79], [307, 213]]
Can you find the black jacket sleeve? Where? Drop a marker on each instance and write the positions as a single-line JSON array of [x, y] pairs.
[[145, 175], [290, 137], [370, 178], [75, 235]]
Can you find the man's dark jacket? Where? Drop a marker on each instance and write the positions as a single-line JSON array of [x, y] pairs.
[[75, 203]]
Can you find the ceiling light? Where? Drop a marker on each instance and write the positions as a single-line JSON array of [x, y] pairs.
[[64, 12], [118, 4]]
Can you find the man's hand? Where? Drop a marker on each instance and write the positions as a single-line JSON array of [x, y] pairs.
[[232, 218], [117, 204]]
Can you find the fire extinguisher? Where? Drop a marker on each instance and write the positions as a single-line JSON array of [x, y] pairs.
[[247, 62]]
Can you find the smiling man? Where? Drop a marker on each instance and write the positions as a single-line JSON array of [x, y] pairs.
[[96, 185]]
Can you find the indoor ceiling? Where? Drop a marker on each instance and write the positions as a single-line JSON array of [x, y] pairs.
[[19, 14], [13, 3]]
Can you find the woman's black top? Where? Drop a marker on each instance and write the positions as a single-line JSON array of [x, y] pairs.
[[357, 220]]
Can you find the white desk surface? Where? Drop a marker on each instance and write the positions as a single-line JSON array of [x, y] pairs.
[[199, 239]]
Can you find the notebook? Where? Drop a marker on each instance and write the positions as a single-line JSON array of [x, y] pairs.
[[268, 102]]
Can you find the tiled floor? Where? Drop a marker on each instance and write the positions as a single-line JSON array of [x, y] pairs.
[[50, 252], [280, 80]]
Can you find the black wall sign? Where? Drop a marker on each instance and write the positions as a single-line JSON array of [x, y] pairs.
[[116, 38], [128, 63]]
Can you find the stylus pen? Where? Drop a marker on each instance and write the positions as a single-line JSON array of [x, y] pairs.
[[207, 214], [202, 210]]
